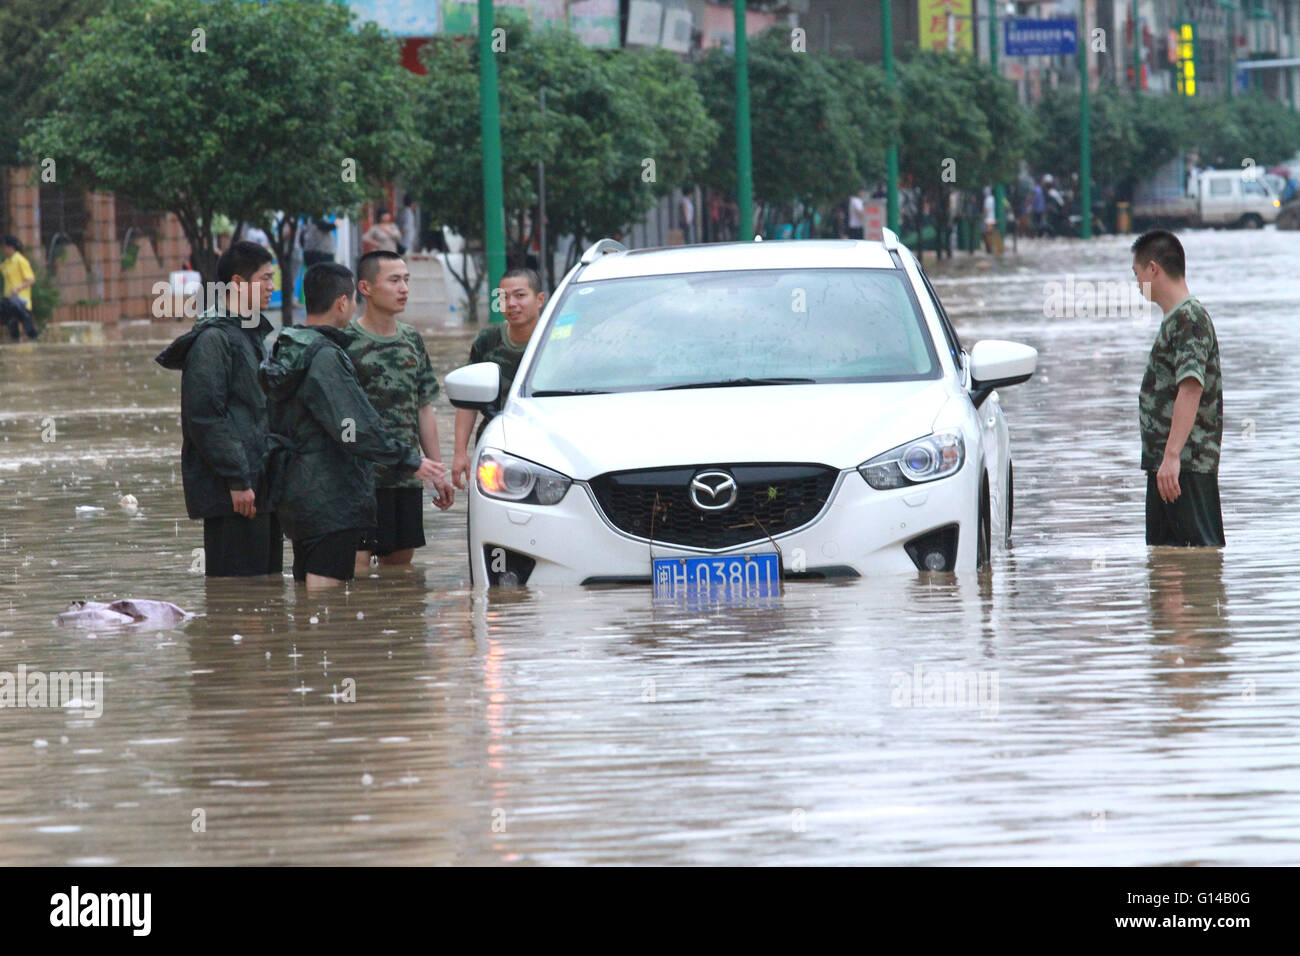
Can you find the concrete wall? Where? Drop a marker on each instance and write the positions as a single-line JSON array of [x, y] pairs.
[[88, 271]]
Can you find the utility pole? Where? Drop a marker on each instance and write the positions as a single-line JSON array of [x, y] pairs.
[[494, 214]]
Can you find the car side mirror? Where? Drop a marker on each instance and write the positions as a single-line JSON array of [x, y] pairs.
[[474, 386], [995, 364]]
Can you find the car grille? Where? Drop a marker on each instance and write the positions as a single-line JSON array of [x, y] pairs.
[[656, 503]]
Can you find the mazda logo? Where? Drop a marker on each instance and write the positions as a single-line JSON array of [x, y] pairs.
[[714, 491]]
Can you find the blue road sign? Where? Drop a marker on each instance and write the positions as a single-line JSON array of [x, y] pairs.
[[1041, 37]]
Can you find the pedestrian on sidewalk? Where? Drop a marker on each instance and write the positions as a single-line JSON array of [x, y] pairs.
[[992, 238], [407, 225], [16, 304], [858, 214], [318, 242], [383, 236], [1180, 404]]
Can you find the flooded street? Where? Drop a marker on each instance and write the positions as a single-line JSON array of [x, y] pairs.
[[1133, 706]]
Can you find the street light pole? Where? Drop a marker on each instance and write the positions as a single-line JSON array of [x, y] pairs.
[[494, 215], [1137, 52], [1085, 136], [744, 158], [999, 195], [891, 153], [542, 260]]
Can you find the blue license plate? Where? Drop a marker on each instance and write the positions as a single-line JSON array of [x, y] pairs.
[[735, 575]]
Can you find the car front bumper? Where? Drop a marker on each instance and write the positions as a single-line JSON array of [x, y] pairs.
[[861, 532]]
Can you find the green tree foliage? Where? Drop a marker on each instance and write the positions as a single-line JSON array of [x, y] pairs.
[[607, 113], [1114, 136], [30, 31], [202, 107], [818, 124], [1132, 137], [960, 127], [1226, 132]]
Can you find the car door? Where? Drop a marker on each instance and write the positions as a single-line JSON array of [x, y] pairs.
[[1219, 200], [1258, 199]]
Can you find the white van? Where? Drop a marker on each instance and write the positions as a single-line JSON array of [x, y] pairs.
[[1220, 197]]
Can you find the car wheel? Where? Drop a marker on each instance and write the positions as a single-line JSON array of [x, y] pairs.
[[1252, 221], [1011, 502], [984, 544]]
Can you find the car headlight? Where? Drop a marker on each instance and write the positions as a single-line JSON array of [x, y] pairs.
[[515, 479], [928, 458]]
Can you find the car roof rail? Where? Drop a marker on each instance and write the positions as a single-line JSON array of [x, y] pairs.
[[598, 249], [889, 238]]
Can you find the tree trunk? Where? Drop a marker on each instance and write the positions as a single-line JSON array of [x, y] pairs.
[[471, 294]]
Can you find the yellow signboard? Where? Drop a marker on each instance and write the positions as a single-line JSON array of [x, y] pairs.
[[1187, 59], [938, 31]]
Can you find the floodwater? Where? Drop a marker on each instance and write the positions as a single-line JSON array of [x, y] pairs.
[[1127, 706]]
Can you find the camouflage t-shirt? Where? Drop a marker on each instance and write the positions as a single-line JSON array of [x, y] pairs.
[[1185, 347], [492, 345], [398, 378]]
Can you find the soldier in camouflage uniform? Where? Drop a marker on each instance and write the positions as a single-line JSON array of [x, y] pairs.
[[503, 343], [393, 367], [1180, 404]]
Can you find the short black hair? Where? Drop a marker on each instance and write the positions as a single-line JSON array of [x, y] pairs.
[[323, 283], [12, 242], [519, 272], [242, 259], [1163, 247], [368, 265]]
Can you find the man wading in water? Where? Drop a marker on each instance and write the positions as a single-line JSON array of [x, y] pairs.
[[223, 419], [326, 434], [1180, 405], [503, 343]]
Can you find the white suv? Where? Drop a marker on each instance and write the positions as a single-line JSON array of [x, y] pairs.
[[741, 413]]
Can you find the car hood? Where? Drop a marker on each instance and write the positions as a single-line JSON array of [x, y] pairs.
[[840, 425]]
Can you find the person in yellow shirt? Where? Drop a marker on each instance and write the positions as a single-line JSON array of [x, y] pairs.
[[18, 281]]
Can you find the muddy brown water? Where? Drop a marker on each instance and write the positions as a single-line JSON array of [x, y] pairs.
[[1091, 701]]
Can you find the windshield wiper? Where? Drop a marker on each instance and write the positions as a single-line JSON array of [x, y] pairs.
[[730, 382], [543, 393]]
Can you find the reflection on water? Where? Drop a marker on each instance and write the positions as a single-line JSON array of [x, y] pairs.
[[1092, 701]]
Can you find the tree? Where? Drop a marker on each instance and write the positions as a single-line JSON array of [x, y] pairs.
[[961, 127], [334, 142], [1253, 126], [811, 147], [203, 107], [607, 113], [1114, 135], [29, 32]]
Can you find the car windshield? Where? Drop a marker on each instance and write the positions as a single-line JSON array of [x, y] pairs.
[[733, 328]]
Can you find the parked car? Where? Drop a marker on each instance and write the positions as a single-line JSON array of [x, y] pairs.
[[730, 412], [1218, 197]]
